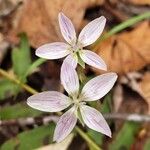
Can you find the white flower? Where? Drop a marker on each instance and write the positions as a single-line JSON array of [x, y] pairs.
[[52, 101], [74, 46]]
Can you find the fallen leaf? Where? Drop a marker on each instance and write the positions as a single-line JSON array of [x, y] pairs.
[[145, 88], [39, 18], [127, 51], [140, 2], [3, 47]]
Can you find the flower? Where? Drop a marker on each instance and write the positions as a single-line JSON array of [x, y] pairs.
[[53, 101], [74, 47]]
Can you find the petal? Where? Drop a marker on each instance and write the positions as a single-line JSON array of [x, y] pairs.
[[70, 60], [67, 28], [49, 101], [91, 32], [53, 50], [98, 87], [65, 125], [94, 120], [69, 79], [93, 59]]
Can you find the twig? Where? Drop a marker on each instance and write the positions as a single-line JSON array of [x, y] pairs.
[[29, 121], [15, 80], [128, 117], [46, 119]]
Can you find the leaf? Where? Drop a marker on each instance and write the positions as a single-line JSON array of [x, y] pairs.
[[62, 145], [18, 111], [145, 89], [21, 58], [127, 51], [31, 139], [96, 137], [139, 2], [106, 106], [7, 88], [147, 144], [125, 137], [34, 65], [38, 18]]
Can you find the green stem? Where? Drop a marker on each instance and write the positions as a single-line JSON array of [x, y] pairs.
[[33, 91], [123, 25], [86, 137], [13, 79]]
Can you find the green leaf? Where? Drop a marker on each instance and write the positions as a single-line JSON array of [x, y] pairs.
[[21, 58], [96, 136], [147, 144], [18, 111], [31, 139], [106, 106], [7, 89], [125, 137], [34, 65]]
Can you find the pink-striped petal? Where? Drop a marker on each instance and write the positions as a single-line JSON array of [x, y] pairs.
[[94, 120], [67, 28], [53, 50], [49, 101], [65, 125], [91, 32], [69, 79], [93, 59], [71, 60], [97, 87]]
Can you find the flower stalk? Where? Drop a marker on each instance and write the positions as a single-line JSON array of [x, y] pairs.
[[18, 82]]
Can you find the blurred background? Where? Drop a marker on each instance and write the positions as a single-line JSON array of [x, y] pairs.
[[125, 47]]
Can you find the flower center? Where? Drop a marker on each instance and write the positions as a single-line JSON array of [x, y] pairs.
[[76, 47], [77, 102]]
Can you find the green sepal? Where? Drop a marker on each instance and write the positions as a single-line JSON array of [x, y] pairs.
[[80, 118], [80, 61]]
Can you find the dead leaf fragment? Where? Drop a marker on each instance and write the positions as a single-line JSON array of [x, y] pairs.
[[3, 47], [62, 146], [145, 88], [128, 51], [39, 18], [140, 2]]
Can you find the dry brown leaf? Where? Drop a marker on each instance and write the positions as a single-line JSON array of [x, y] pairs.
[[3, 47], [128, 51], [38, 18], [140, 2], [145, 88]]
